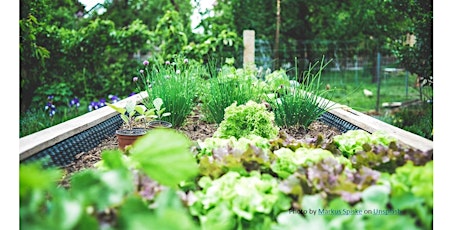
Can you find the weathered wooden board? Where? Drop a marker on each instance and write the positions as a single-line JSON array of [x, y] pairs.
[[43, 139]]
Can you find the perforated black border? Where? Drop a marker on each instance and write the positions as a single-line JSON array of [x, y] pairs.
[[63, 152], [337, 122]]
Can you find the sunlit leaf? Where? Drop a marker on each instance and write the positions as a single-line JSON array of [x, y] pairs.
[[164, 155]]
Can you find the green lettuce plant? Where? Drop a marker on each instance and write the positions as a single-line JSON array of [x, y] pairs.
[[238, 202], [248, 119], [354, 141]]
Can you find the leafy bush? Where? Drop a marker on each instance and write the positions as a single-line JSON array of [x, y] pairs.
[[248, 119], [417, 119]]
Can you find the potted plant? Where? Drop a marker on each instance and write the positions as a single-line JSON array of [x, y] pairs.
[[158, 113], [127, 136]]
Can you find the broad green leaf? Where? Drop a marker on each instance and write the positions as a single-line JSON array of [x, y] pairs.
[[150, 112], [140, 108], [116, 108], [157, 103], [113, 159], [65, 212], [135, 215], [124, 118], [102, 189], [376, 196], [32, 176], [130, 106], [164, 155]]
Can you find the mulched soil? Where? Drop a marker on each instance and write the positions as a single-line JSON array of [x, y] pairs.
[[195, 128]]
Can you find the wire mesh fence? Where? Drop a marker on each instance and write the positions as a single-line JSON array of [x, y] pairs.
[[352, 67]]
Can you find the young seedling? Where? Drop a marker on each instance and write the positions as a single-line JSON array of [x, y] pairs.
[[126, 113]]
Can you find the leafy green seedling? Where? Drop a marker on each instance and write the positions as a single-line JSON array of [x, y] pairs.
[[126, 113], [157, 107]]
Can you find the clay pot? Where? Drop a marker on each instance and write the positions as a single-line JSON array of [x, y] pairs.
[[128, 136]]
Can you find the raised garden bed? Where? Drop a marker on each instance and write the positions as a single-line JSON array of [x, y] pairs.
[[64, 141], [280, 183]]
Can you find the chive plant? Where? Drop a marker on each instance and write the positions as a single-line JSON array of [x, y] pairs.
[[302, 104], [175, 83], [226, 87]]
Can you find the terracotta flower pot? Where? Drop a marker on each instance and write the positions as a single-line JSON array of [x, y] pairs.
[[128, 136], [159, 124]]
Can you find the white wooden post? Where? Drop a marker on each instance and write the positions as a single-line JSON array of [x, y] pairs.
[[249, 48]]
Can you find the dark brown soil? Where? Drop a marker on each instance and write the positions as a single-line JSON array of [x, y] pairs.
[[195, 128]]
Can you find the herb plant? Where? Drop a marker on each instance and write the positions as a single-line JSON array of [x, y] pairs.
[[226, 87], [302, 104], [175, 83]]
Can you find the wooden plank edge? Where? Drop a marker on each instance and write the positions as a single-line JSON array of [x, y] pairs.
[[371, 125], [38, 141]]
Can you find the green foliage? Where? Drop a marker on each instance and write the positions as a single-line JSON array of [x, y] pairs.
[[169, 34], [247, 119], [416, 119], [97, 193], [412, 191], [209, 47], [127, 112], [237, 202], [287, 161], [229, 86], [175, 83], [340, 215], [157, 112], [418, 58], [169, 148], [299, 105], [354, 140]]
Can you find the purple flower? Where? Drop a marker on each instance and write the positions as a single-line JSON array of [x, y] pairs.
[[101, 103], [74, 102], [50, 97], [168, 63], [52, 109], [146, 63], [135, 79], [93, 106], [79, 14], [185, 61], [131, 94], [113, 98], [141, 71]]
